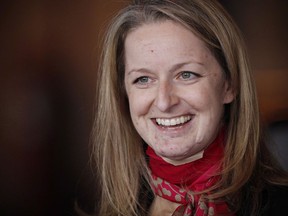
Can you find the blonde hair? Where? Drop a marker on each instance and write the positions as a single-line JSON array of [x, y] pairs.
[[118, 149]]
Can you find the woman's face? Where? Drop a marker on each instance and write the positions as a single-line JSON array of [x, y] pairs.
[[176, 89]]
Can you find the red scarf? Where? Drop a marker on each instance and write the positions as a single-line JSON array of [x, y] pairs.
[[175, 183]]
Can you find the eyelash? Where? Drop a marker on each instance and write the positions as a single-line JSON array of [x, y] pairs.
[[140, 81], [144, 80], [192, 75]]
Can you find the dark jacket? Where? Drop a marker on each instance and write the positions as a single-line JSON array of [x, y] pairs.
[[274, 202]]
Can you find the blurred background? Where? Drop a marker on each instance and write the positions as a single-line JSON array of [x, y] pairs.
[[49, 53]]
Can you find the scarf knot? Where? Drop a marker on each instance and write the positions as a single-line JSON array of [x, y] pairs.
[[190, 203]]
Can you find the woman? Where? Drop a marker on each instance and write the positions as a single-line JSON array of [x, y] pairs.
[[177, 126]]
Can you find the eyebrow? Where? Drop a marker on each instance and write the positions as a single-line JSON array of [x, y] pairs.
[[174, 67]]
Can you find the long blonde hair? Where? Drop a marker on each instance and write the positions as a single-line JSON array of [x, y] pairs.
[[118, 149]]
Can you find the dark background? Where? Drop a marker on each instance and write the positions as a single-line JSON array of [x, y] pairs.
[[49, 52]]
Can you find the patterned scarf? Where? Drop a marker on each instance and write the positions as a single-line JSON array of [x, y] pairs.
[[179, 183]]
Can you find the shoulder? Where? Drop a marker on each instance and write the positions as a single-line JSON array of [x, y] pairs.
[[275, 200]]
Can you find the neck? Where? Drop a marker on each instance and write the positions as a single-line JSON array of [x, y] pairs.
[[194, 157], [192, 168]]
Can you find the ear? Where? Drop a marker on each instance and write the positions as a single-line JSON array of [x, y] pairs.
[[228, 94]]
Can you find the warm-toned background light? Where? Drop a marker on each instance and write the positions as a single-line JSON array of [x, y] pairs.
[[49, 53]]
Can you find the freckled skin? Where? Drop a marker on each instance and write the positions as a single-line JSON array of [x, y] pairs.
[[161, 52]]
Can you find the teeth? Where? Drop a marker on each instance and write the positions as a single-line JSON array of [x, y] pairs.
[[173, 121]]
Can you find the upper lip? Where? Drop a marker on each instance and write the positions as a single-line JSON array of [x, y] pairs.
[[172, 117]]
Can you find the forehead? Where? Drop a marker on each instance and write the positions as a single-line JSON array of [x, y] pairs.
[[166, 38], [153, 28]]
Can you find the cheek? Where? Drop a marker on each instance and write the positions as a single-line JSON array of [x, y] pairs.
[[198, 98], [138, 104], [205, 99]]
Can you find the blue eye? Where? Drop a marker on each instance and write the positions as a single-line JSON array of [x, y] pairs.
[[142, 80], [187, 75]]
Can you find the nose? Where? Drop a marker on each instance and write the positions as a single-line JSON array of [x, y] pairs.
[[166, 97]]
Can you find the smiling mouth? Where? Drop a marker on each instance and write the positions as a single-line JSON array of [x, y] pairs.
[[173, 121]]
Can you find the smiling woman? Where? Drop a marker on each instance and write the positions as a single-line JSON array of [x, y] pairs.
[[186, 86], [177, 129]]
